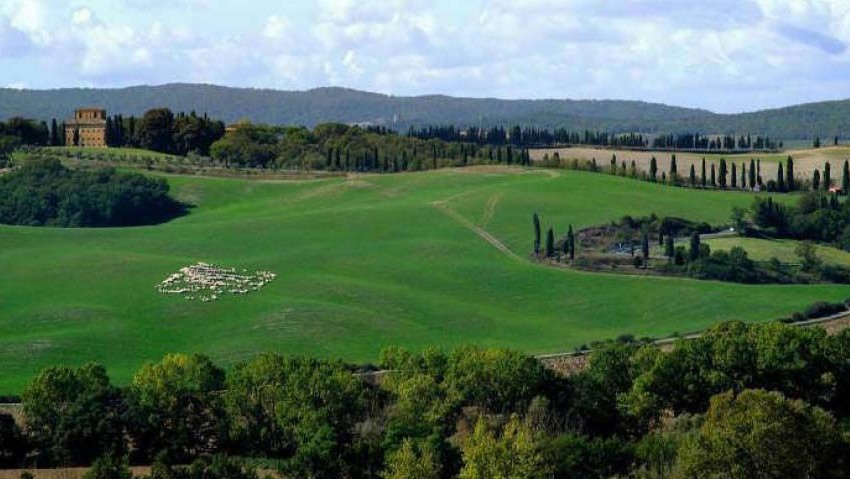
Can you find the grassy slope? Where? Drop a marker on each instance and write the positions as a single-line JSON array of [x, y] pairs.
[[783, 250], [362, 263]]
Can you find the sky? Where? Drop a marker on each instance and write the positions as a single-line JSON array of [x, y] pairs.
[[722, 55]]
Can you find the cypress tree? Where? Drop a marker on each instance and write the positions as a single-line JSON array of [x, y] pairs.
[[693, 176], [571, 238], [723, 172], [674, 170], [780, 178], [669, 248], [743, 175], [653, 169], [536, 220], [827, 180], [702, 176], [816, 180], [789, 174], [734, 176], [752, 173], [54, 133], [713, 178], [695, 243], [845, 178], [758, 172], [644, 249], [550, 243]]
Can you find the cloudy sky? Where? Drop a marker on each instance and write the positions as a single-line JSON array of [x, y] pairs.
[[724, 55]]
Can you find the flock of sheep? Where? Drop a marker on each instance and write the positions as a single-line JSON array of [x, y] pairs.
[[208, 282]]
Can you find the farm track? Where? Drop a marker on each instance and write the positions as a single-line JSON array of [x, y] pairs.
[[481, 232]]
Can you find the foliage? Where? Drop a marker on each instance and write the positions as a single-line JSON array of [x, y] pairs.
[[175, 407], [43, 192], [109, 467], [511, 453], [762, 434], [410, 462]]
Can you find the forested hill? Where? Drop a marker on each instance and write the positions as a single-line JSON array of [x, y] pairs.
[[308, 108]]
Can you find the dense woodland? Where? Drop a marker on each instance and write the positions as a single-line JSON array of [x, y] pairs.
[[740, 401], [313, 107], [43, 192]]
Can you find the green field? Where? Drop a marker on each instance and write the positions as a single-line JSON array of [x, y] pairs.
[[783, 250], [363, 262]]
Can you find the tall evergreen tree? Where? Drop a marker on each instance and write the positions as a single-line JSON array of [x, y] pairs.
[[571, 238], [536, 220], [550, 243], [723, 173], [816, 180], [693, 176], [752, 173], [653, 169], [713, 177], [695, 244], [674, 170], [644, 248], [734, 176], [758, 172], [827, 179], [702, 177], [780, 178], [669, 247], [845, 178], [789, 174], [744, 175], [54, 133]]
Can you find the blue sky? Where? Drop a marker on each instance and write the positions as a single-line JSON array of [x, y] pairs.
[[723, 55]]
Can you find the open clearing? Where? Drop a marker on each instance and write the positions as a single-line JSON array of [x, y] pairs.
[[805, 160], [361, 263], [781, 249]]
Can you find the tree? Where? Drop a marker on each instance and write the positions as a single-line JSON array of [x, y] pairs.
[[156, 130], [653, 169], [571, 239], [674, 170], [644, 249], [550, 243], [761, 434], [412, 462], [536, 220], [845, 178], [734, 176], [752, 174], [695, 246], [816, 142], [702, 175], [74, 414], [109, 467], [723, 173], [693, 176], [54, 133], [780, 178], [789, 174], [807, 253], [514, 453], [175, 408], [816, 180], [713, 178], [827, 180], [743, 176], [669, 250]]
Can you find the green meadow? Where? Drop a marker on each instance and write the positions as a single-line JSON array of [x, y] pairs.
[[362, 262]]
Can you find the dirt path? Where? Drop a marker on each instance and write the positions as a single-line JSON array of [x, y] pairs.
[[482, 233], [490, 209]]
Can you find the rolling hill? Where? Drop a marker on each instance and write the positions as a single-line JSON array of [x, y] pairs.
[[363, 262], [825, 119]]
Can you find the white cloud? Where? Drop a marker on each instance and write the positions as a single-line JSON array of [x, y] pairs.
[[724, 54]]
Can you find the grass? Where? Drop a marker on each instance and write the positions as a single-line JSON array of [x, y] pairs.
[[363, 262], [783, 250]]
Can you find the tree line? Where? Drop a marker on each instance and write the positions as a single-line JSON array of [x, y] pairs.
[[761, 400], [535, 137]]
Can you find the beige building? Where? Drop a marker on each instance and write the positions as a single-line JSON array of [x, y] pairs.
[[87, 128]]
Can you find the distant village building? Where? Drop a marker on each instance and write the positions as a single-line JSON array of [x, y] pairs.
[[87, 128]]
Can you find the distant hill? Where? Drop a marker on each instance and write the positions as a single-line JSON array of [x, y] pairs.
[[825, 119]]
